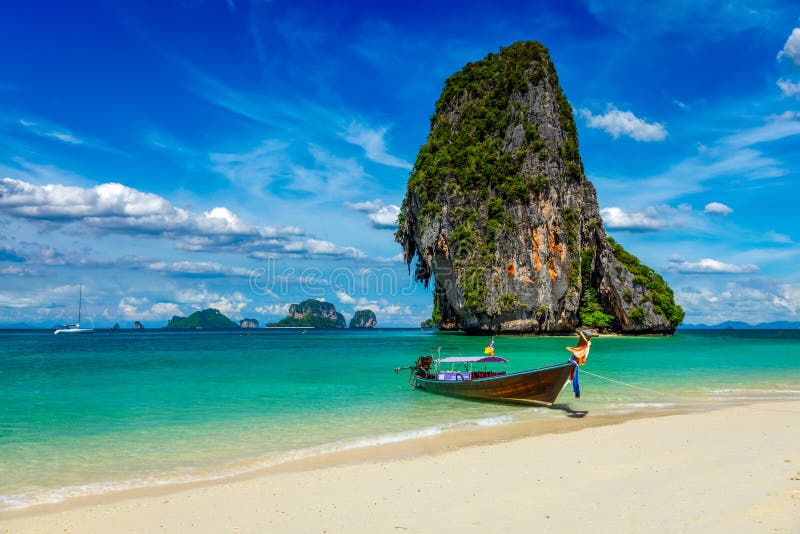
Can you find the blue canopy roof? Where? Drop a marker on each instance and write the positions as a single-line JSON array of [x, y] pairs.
[[473, 359]]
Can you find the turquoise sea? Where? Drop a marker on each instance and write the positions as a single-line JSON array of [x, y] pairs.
[[86, 415]]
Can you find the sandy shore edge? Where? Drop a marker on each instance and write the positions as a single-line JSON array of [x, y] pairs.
[[733, 469]]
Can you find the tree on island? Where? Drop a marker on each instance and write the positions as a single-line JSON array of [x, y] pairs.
[[210, 318]]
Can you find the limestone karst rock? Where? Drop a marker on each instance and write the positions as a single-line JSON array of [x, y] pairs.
[[498, 211], [363, 319]]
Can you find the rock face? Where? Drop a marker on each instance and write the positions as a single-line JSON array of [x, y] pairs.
[[313, 313], [363, 319], [138, 326], [499, 213], [248, 323]]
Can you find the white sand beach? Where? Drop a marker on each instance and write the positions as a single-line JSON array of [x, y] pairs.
[[729, 470]]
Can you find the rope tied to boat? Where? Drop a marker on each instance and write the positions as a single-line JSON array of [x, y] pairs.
[[623, 383]]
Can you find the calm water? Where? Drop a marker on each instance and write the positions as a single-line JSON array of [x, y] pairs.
[[88, 414]]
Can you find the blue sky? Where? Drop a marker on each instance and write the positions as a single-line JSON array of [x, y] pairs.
[[172, 156]]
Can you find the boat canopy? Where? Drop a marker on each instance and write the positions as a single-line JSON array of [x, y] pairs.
[[473, 359]]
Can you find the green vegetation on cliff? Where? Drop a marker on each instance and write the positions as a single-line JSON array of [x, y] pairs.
[[313, 313], [363, 319], [465, 144], [308, 321], [659, 292], [591, 312], [210, 318]]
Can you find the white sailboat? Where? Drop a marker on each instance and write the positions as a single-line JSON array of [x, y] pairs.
[[76, 328]]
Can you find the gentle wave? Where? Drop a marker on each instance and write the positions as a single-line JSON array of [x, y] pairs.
[[39, 496], [628, 407], [756, 391]]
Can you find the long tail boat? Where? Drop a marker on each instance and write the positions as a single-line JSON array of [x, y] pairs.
[[460, 376]]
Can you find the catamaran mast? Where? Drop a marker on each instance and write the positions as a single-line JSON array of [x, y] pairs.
[[80, 298]]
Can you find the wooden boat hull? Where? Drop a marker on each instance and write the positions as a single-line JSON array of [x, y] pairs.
[[536, 386]]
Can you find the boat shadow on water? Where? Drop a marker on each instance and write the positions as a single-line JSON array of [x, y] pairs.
[[575, 414]]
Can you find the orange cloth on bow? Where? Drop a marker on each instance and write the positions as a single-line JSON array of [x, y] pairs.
[[579, 353]]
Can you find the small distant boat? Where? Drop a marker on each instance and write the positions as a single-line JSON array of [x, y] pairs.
[[461, 376], [75, 328]]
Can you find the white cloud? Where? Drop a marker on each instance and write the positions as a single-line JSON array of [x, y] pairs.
[[749, 300], [379, 306], [788, 296], [61, 202], [115, 207], [718, 208], [273, 309], [322, 248], [268, 169], [331, 177], [708, 266], [777, 127], [617, 219], [345, 298], [777, 237], [791, 49], [368, 206], [255, 168], [195, 296], [62, 135], [374, 144], [397, 258], [16, 270], [49, 130], [231, 305], [382, 217], [616, 123], [198, 267], [133, 309], [789, 88], [386, 217]]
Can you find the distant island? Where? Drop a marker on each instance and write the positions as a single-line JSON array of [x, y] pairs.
[[249, 323], [739, 325], [312, 313], [363, 319], [210, 318]]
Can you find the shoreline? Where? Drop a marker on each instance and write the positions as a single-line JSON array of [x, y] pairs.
[[766, 429], [427, 441]]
